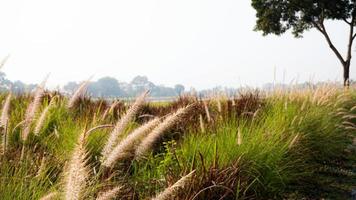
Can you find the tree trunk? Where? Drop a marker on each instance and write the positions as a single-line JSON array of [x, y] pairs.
[[347, 74]]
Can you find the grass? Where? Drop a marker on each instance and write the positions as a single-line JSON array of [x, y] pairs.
[[284, 145]]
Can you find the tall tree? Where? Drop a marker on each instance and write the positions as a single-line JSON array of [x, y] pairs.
[[278, 16]]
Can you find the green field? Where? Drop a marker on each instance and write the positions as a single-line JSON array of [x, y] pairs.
[[279, 145]]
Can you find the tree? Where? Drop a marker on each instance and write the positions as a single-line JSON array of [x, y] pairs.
[[106, 87], [140, 84], [71, 86], [5, 84], [179, 89], [278, 16]]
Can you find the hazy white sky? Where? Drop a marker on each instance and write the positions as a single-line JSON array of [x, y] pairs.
[[199, 43]]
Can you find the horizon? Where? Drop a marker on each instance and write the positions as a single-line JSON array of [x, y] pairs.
[[265, 86]]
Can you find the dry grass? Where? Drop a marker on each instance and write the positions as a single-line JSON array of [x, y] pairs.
[[50, 196], [77, 172], [169, 192], [78, 94], [32, 109], [43, 116], [109, 194], [127, 146], [5, 111], [122, 124], [156, 133]]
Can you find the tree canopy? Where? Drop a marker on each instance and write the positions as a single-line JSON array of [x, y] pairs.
[[278, 16]]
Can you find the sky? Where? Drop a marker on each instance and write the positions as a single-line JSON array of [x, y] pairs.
[[197, 43]]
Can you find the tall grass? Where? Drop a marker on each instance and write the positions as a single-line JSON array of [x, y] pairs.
[[254, 146]]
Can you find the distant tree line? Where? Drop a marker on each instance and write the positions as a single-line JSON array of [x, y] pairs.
[[16, 86], [105, 87], [111, 87], [108, 87]]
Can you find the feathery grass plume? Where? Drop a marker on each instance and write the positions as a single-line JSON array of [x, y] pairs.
[[43, 116], [32, 109], [113, 105], [5, 139], [233, 102], [347, 123], [350, 116], [22, 152], [50, 196], [77, 172], [255, 114], [4, 122], [152, 137], [316, 94], [353, 108], [207, 111], [341, 113], [128, 144], [79, 93], [5, 111], [106, 112], [122, 124], [109, 110], [42, 167], [98, 127], [201, 121], [304, 104], [350, 128], [2, 63], [218, 101], [239, 137], [300, 120], [294, 119], [109, 194], [328, 93], [340, 101], [295, 139], [94, 121], [169, 192]]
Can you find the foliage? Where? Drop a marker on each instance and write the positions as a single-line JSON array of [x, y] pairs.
[[277, 16]]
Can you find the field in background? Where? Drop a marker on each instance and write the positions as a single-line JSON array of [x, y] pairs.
[[281, 145]]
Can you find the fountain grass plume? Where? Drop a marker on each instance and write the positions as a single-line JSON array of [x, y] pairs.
[[76, 172], [5, 111], [294, 140], [157, 132], [79, 93], [239, 136], [122, 124], [127, 145], [43, 116], [112, 106], [3, 61], [207, 111], [201, 121], [109, 194], [33, 108], [169, 192], [50, 196]]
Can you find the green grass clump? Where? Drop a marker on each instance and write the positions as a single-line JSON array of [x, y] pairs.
[[281, 148]]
